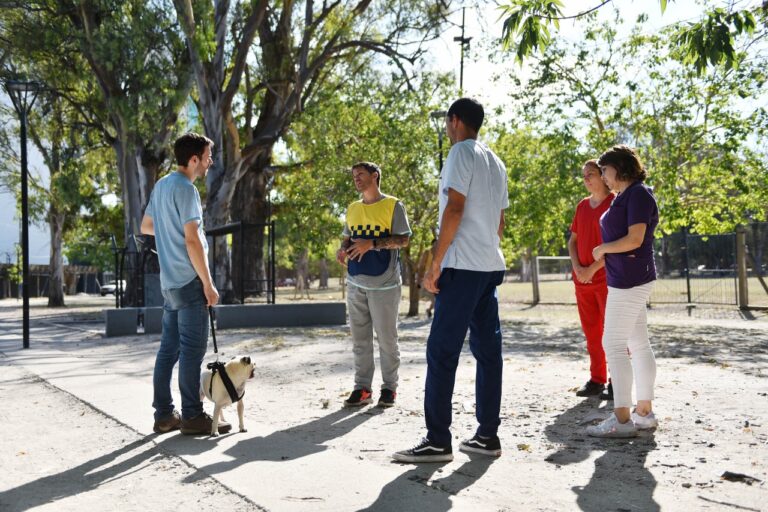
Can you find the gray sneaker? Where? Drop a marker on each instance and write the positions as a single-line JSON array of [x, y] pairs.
[[612, 428], [646, 422]]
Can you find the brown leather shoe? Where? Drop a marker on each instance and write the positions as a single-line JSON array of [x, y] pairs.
[[201, 424], [167, 424]]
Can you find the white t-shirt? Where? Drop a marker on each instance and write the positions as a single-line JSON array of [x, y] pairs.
[[474, 171]]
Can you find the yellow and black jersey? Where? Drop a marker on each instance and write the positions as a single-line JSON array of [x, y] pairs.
[[371, 221]]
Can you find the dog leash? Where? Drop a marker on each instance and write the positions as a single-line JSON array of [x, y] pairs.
[[213, 332], [218, 367]]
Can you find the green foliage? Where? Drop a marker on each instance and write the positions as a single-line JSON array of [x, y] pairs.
[[389, 125], [544, 187], [529, 24], [695, 133], [86, 237], [710, 41]]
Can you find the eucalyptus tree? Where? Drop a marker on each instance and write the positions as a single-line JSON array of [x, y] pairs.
[[123, 67], [259, 65]]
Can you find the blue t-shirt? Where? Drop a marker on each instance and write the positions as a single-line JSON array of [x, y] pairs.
[[173, 203], [636, 205]]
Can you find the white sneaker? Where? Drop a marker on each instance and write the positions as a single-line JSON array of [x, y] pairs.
[[645, 422], [612, 428]]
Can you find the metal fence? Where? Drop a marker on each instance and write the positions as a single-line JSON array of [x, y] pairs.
[[691, 269]]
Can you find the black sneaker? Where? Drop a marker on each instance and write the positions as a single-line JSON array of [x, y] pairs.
[[591, 388], [608, 393], [387, 398], [358, 398], [425, 452], [485, 446]]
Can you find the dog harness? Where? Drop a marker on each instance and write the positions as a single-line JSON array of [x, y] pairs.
[[218, 367]]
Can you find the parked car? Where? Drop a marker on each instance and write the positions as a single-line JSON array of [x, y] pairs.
[[111, 288]]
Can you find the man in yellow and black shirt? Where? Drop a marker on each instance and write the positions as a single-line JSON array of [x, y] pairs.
[[375, 229]]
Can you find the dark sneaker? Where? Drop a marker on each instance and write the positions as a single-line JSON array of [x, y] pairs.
[[608, 393], [591, 388], [358, 398], [387, 398], [167, 424], [201, 425], [485, 446], [425, 452]]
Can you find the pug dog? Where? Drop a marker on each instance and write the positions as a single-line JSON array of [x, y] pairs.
[[239, 369]]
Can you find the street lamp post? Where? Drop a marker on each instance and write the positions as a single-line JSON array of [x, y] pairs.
[[438, 121], [23, 94], [116, 252]]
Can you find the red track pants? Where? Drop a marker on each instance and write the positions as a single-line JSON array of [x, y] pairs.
[[591, 302]]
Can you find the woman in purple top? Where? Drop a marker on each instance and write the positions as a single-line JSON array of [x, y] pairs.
[[627, 231]]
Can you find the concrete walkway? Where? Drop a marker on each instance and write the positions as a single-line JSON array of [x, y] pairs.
[[303, 452]]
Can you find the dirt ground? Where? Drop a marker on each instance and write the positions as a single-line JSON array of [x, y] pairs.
[[712, 402]]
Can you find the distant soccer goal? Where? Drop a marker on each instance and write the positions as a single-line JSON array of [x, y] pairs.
[[553, 268], [553, 280]]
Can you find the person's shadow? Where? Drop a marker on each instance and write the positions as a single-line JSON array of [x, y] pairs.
[[620, 475], [292, 443], [417, 490]]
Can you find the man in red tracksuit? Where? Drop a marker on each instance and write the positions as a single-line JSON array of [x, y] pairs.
[[589, 276]]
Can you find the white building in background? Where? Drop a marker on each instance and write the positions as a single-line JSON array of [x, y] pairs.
[[10, 224]]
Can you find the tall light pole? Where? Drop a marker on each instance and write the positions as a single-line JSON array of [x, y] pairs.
[[438, 121], [464, 42], [23, 94]]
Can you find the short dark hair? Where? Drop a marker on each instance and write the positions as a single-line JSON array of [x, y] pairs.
[[469, 111], [371, 168], [188, 145], [626, 162]]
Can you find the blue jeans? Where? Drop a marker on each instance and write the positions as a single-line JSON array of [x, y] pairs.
[[184, 339], [467, 301]]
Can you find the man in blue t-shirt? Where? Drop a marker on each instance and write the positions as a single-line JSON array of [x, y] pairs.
[[466, 268], [174, 216]]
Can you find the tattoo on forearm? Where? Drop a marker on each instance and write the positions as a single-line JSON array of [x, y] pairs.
[[392, 242]]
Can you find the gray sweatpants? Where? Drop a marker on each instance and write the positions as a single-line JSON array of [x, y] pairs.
[[371, 310]]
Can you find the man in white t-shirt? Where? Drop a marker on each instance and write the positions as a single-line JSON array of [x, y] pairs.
[[467, 267]]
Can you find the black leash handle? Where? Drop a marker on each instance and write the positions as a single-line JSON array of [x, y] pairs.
[[213, 330]]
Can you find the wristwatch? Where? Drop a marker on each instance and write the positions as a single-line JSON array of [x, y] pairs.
[[374, 243]]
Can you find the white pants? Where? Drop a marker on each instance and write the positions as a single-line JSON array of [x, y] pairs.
[[626, 327]]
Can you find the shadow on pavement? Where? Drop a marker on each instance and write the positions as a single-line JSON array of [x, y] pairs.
[[83, 478], [292, 443], [433, 495], [620, 480]]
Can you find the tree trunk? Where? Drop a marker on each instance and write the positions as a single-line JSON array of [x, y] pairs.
[[56, 264], [411, 278], [250, 206], [302, 274], [136, 183], [324, 274], [526, 270]]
